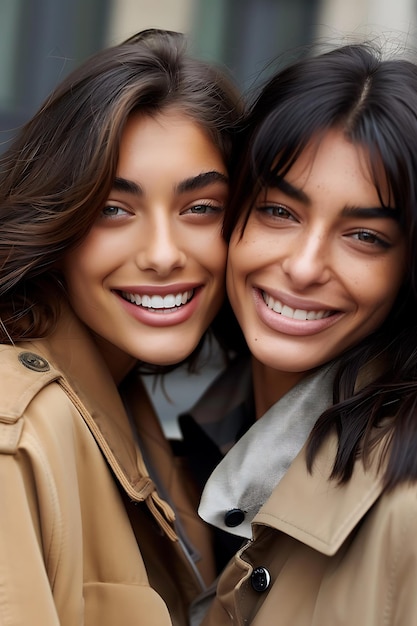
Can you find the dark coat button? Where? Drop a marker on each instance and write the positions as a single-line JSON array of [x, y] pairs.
[[260, 579], [33, 361], [234, 517]]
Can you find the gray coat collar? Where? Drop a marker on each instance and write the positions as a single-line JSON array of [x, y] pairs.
[[250, 471]]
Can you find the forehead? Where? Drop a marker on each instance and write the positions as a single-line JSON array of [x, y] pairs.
[[169, 138], [332, 154]]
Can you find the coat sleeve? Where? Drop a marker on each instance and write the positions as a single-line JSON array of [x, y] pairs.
[[25, 589], [40, 528], [401, 601]]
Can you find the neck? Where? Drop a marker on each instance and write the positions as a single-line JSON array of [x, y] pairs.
[[118, 362], [270, 385]]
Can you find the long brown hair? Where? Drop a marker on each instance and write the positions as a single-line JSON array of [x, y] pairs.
[[60, 169]]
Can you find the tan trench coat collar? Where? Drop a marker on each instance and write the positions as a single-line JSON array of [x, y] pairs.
[[87, 380], [316, 511]]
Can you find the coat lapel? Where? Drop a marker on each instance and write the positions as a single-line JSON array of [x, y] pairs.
[[316, 511], [91, 388]]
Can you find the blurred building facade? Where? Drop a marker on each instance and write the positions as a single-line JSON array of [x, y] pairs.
[[42, 40]]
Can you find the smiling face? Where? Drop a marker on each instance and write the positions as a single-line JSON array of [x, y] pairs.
[[149, 278], [320, 262]]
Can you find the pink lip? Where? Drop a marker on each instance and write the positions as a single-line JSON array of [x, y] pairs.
[[159, 290], [289, 326], [159, 318]]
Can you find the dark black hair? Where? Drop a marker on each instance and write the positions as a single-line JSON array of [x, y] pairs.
[[373, 101]]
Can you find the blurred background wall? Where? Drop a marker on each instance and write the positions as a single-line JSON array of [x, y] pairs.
[[42, 40]]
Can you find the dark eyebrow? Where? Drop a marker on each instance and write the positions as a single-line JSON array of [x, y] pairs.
[[362, 212], [276, 182], [128, 186], [201, 180], [372, 212], [189, 184]]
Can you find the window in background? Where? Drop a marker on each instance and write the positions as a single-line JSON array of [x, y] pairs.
[[247, 35], [40, 42], [9, 35]]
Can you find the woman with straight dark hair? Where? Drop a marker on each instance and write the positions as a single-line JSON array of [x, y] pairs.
[[111, 258], [322, 488]]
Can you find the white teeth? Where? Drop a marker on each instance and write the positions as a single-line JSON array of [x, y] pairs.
[[276, 306], [299, 314], [169, 301], [296, 314], [287, 311], [159, 302]]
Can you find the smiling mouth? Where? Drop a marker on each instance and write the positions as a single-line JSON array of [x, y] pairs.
[[296, 314], [170, 302]]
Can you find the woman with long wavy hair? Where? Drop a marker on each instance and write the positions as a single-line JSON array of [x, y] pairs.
[[111, 257]]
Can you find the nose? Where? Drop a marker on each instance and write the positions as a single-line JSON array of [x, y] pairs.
[[307, 261], [161, 250]]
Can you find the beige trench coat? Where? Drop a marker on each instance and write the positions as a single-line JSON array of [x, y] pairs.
[[325, 555], [72, 484]]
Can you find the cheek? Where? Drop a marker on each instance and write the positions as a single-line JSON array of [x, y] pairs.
[[253, 251], [84, 263], [381, 289], [212, 254], [221, 259], [236, 275], [242, 260]]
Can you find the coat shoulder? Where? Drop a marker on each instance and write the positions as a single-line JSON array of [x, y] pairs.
[[397, 511], [22, 376]]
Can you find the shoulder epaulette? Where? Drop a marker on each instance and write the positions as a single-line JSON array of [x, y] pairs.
[[22, 375]]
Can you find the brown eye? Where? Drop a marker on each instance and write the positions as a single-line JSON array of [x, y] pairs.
[[367, 237], [204, 209], [276, 210], [371, 238], [279, 211]]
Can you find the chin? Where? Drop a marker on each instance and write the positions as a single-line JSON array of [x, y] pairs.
[[166, 359], [282, 360]]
